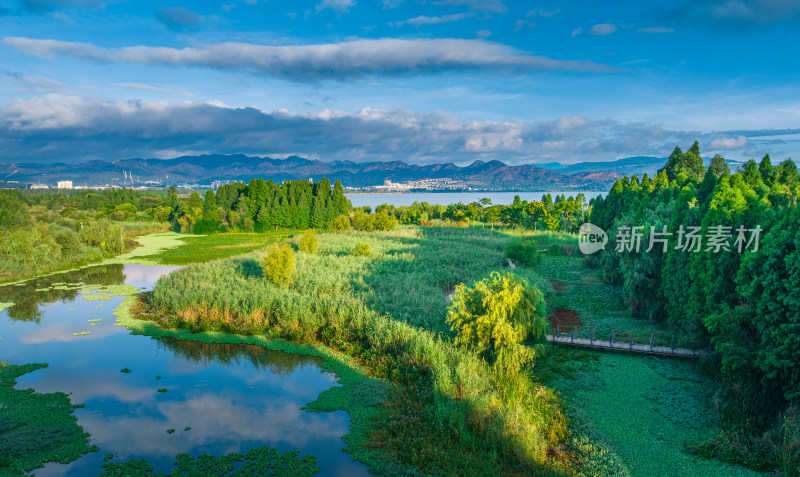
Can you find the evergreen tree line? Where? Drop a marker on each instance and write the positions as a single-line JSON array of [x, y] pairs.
[[563, 213], [260, 206], [744, 306]]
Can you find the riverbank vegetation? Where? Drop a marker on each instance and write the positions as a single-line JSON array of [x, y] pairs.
[[490, 421]]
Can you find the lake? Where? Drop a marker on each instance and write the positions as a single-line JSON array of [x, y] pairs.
[[446, 198], [233, 397]]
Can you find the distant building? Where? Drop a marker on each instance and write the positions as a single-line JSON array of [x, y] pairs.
[[218, 183], [39, 186], [387, 183], [65, 184]]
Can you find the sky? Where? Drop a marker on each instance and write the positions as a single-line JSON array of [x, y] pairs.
[[423, 81]]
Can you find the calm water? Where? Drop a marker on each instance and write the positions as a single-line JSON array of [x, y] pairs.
[[447, 198], [234, 397]]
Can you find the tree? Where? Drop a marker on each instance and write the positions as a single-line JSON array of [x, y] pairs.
[[495, 317], [340, 224], [309, 242], [279, 264], [718, 166]]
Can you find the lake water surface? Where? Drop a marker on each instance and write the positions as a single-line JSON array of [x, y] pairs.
[[447, 198], [233, 397]]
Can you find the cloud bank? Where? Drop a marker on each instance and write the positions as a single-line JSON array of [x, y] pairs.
[[336, 61], [59, 128]]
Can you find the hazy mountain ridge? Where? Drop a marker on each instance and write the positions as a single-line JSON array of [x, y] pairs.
[[491, 175]]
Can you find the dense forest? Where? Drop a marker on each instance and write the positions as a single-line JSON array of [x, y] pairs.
[[734, 289]]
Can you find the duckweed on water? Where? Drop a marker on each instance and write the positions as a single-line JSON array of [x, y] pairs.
[[258, 461], [170, 431], [162, 390], [95, 320], [3, 306], [125, 370], [81, 333], [36, 428]]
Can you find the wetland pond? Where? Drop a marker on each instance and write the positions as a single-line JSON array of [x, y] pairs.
[[219, 398]]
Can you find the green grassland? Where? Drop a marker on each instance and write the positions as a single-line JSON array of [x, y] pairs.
[[204, 248]]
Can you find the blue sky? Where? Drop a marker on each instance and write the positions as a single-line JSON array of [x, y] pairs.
[[419, 81]]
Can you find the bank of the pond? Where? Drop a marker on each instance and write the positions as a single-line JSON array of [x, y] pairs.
[[359, 395], [36, 428], [149, 247]]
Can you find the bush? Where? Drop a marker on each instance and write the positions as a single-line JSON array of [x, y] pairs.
[[363, 221], [524, 252], [384, 221], [309, 242], [340, 224], [362, 249], [495, 317], [279, 264]]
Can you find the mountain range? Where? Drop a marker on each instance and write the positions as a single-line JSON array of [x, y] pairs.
[[492, 175]]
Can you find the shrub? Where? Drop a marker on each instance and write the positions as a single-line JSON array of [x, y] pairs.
[[495, 316], [384, 221], [340, 224], [69, 212], [309, 242], [363, 221], [362, 249], [279, 264], [524, 252]]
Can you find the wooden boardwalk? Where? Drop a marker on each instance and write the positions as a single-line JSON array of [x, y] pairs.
[[624, 346]]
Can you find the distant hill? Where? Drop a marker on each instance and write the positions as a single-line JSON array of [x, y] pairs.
[[492, 175], [628, 166]]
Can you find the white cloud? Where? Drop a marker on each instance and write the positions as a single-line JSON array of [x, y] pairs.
[[67, 128], [523, 25], [656, 30], [603, 29], [483, 33], [726, 143], [340, 6], [576, 32], [41, 84], [492, 6], [425, 20], [338, 61]]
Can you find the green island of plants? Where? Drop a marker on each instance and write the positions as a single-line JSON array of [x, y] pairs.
[[36, 428], [258, 461]]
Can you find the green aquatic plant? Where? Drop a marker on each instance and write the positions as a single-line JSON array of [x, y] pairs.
[[162, 390], [125, 370], [82, 333], [258, 461], [170, 431], [36, 428]]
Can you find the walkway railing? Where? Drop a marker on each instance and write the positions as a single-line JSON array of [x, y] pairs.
[[629, 345]]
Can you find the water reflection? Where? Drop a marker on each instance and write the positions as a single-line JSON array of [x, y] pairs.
[[29, 296], [277, 362], [233, 397]]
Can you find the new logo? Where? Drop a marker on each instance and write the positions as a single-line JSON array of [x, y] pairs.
[[591, 238]]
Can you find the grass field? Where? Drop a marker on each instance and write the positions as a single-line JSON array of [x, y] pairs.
[[204, 248]]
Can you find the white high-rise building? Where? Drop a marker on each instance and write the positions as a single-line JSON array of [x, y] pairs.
[[65, 184]]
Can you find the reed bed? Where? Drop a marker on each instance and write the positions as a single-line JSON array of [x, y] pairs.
[[388, 310]]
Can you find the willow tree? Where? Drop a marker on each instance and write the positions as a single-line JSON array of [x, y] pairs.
[[496, 316]]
